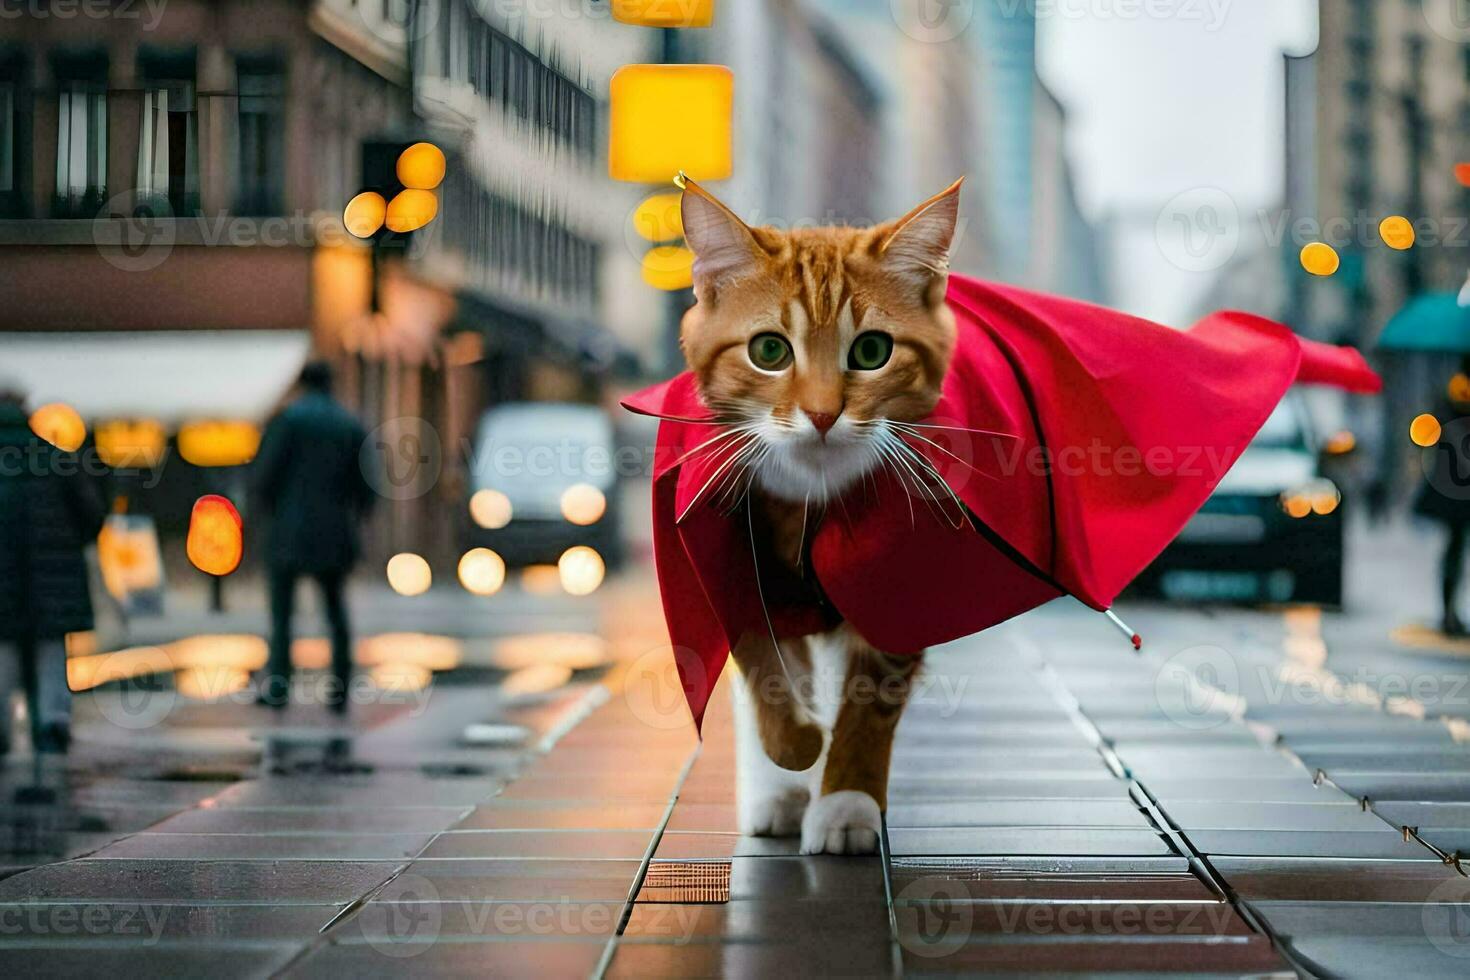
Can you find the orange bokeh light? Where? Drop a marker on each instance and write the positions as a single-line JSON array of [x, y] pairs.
[[216, 540], [1424, 430], [60, 425]]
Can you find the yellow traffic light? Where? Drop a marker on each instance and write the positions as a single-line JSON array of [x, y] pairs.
[[668, 118], [669, 267], [660, 218]]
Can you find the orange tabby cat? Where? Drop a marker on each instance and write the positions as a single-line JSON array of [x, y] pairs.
[[812, 339]]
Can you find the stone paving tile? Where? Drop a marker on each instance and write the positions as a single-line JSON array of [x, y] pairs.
[[1336, 731], [1449, 840], [1342, 956], [1018, 813], [921, 762], [141, 792], [567, 845], [1424, 815], [567, 816], [1402, 920], [1037, 841], [769, 918], [1295, 789], [1405, 759], [85, 961], [310, 820], [105, 924], [124, 818], [446, 958], [1385, 843], [1074, 787], [1233, 955], [699, 846], [34, 846], [198, 882], [523, 880], [378, 790], [706, 817], [839, 956], [968, 867], [1196, 816], [1424, 787], [394, 922], [915, 881], [1337, 880], [926, 922], [856, 880], [611, 789], [265, 847]]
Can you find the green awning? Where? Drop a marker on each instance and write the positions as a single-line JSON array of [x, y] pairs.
[[1431, 322]]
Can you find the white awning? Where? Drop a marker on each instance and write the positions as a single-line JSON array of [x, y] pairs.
[[172, 376]]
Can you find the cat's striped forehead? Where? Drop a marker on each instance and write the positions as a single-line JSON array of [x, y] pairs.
[[812, 267]]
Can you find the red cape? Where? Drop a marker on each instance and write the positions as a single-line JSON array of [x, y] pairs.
[[1079, 439]]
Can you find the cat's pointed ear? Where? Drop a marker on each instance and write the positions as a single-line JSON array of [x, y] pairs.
[[917, 245], [723, 246]]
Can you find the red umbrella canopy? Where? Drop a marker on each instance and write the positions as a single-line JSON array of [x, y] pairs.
[[1070, 445]]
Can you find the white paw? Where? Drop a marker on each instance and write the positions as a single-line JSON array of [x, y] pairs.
[[845, 822], [775, 815]]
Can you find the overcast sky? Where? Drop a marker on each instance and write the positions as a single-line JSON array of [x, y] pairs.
[[1159, 105]]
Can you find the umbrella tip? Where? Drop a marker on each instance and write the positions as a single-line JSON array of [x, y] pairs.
[[1125, 629]]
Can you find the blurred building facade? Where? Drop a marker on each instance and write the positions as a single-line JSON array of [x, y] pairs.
[[933, 93], [179, 172], [1392, 122]]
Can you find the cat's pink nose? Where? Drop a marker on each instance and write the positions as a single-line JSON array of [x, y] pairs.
[[822, 420]]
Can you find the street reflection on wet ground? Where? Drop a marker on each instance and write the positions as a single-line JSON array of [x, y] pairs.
[[540, 806]]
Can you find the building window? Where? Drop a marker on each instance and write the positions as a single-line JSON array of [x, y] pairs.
[[81, 148], [506, 72], [262, 137], [168, 139]]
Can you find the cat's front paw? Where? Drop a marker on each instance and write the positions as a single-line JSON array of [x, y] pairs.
[[776, 815], [845, 822]]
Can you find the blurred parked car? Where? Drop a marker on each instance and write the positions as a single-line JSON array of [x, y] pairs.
[[543, 479], [1273, 529]]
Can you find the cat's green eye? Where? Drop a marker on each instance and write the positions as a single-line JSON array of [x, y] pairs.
[[770, 351], [870, 351]]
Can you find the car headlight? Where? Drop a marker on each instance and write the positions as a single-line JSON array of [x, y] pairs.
[[1319, 497], [583, 504]]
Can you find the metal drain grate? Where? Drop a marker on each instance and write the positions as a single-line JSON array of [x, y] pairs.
[[686, 882]]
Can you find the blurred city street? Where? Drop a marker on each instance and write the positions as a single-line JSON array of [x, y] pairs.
[[1232, 801], [411, 410]]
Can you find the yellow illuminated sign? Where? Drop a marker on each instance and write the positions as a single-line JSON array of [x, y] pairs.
[[668, 118], [664, 13]]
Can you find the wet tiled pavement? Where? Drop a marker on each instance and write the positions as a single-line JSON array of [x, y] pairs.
[[1058, 805]]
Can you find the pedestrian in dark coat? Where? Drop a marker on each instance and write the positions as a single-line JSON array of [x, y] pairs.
[[1445, 497], [309, 478], [49, 511]]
